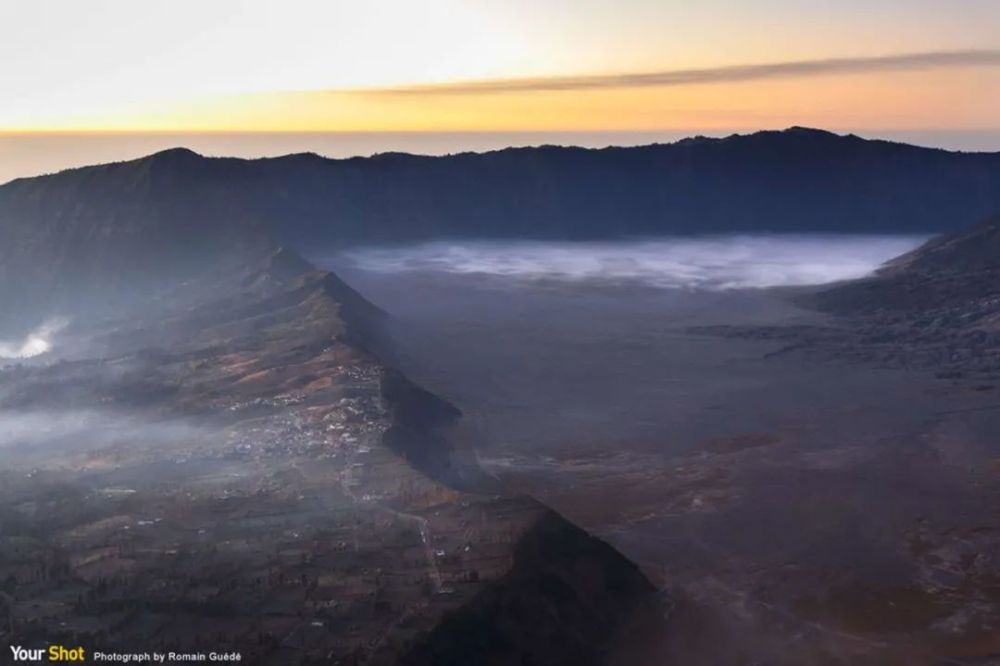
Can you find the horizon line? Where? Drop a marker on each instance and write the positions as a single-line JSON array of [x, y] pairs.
[[84, 131]]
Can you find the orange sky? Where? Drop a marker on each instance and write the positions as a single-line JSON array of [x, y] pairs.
[[324, 65], [902, 100]]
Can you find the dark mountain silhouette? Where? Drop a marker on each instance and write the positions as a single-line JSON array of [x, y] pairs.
[[99, 235], [793, 180]]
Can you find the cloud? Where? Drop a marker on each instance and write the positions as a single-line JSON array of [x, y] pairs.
[[37, 342], [728, 74], [43, 432], [711, 263]]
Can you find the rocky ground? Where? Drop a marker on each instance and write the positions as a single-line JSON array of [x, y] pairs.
[[935, 308], [933, 491]]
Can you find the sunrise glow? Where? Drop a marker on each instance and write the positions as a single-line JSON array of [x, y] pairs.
[[339, 66]]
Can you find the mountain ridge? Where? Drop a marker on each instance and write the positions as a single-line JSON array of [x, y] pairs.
[[794, 180], [690, 140]]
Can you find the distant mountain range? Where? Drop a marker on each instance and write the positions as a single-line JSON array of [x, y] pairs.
[[174, 212], [794, 180]]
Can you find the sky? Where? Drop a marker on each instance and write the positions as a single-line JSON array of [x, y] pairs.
[[502, 66]]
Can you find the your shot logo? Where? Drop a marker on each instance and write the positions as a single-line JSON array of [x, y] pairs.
[[53, 653]]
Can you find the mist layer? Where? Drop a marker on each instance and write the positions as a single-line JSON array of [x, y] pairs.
[[713, 263]]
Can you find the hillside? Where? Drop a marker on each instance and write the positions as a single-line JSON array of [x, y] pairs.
[[955, 275], [216, 452], [935, 307]]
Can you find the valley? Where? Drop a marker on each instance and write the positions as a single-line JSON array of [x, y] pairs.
[[801, 497]]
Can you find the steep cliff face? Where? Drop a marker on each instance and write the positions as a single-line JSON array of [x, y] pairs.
[[566, 599]]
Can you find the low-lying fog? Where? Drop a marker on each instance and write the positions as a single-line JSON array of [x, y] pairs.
[[717, 262], [35, 343], [52, 436]]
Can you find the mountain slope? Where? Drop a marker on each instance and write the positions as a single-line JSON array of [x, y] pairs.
[[278, 491], [937, 306], [99, 237], [957, 273]]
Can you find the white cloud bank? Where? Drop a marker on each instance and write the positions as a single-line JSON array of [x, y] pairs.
[[47, 431], [715, 263], [37, 342]]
